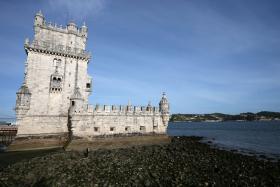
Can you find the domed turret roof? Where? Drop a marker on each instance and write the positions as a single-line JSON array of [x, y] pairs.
[[39, 13], [163, 99], [23, 90], [84, 25], [72, 23], [77, 94]]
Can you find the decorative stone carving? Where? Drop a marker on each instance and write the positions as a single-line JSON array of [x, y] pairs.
[[56, 82]]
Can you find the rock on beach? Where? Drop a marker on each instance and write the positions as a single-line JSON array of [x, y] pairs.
[[183, 162]]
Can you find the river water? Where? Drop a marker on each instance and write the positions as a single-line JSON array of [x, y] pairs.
[[256, 137]]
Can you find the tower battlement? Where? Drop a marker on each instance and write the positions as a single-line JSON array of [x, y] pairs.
[[123, 109], [69, 40], [70, 28]]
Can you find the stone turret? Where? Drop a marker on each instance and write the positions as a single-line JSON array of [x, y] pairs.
[[129, 107], [76, 102], [164, 109], [72, 27], [39, 19], [84, 30], [149, 107], [23, 101]]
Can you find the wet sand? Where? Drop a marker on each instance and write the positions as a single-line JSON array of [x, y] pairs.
[[185, 161]]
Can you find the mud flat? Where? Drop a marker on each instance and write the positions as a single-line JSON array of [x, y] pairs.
[[38, 142], [183, 161], [117, 141]]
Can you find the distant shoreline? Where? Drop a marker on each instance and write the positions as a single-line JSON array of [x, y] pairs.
[[210, 121], [220, 117]]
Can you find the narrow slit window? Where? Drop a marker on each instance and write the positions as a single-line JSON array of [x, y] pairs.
[[96, 129], [142, 128], [127, 129]]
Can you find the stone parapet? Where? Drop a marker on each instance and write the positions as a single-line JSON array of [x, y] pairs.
[[71, 28], [50, 48], [122, 109]]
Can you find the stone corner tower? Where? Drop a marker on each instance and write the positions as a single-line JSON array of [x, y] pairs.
[[164, 109], [55, 68]]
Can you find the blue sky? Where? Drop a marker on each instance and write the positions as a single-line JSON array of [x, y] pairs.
[[207, 55]]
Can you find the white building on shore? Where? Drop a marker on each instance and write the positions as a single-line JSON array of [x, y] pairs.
[[53, 99]]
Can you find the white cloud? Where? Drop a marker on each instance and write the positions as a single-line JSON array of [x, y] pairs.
[[78, 9]]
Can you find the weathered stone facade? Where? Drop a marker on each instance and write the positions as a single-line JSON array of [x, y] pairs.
[[53, 99]]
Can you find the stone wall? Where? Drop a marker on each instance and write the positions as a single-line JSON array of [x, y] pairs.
[[42, 125], [110, 123], [113, 119]]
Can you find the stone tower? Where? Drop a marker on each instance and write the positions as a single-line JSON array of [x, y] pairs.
[[164, 109], [53, 99], [55, 78]]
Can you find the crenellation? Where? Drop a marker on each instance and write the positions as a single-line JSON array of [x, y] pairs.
[[115, 108], [90, 109], [70, 28], [123, 110], [107, 108], [67, 41], [143, 108], [156, 109], [137, 109]]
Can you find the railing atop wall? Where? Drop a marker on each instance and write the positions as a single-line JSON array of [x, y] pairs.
[[48, 46], [7, 134]]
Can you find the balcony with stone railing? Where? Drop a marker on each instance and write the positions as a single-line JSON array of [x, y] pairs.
[[52, 48]]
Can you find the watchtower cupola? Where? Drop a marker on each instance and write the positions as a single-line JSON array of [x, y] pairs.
[[23, 101], [164, 109], [72, 27], [149, 107], [163, 104], [39, 19], [76, 102], [84, 30]]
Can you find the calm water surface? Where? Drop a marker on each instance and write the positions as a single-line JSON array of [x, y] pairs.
[[259, 137]]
